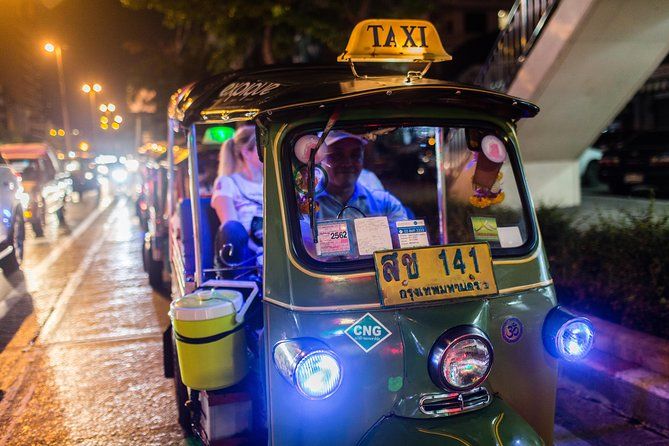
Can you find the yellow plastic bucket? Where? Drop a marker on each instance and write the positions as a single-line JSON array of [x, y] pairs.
[[211, 344]]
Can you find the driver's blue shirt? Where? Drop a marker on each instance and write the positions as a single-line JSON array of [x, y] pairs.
[[370, 203]]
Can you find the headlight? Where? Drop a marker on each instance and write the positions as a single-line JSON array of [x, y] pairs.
[[461, 358], [567, 336], [309, 365], [119, 175]]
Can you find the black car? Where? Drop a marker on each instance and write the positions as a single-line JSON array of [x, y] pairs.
[[638, 159]]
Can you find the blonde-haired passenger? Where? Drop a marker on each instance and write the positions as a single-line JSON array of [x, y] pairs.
[[237, 195]]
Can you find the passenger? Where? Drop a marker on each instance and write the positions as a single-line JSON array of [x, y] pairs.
[[237, 198], [344, 194]]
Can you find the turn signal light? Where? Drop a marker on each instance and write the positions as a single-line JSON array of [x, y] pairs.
[[567, 336], [309, 365]]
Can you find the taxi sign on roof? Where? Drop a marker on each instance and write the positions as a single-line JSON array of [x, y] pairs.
[[394, 40]]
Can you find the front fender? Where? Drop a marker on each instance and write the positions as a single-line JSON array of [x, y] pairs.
[[497, 424]]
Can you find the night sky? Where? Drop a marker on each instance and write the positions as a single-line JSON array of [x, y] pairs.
[[98, 37]]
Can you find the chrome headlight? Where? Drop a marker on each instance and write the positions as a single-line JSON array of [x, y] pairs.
[[309, 365], [567, 336], [461, 358]]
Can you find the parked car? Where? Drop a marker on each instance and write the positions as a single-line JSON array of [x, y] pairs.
[[45, 185], [636, 159], [588, 166], [12, 228]]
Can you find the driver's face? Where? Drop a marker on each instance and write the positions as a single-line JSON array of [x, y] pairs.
[[343, 163]]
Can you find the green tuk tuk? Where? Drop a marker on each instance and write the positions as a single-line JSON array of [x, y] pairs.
[[402, 294]]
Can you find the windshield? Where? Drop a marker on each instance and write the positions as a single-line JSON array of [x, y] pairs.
[[378, 188]]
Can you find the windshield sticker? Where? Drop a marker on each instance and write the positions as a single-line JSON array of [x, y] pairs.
[[373, 234], [334, 238], [510, 237], [412, 233], [493, 148], [367, 332], [485, 229], [512, 330]]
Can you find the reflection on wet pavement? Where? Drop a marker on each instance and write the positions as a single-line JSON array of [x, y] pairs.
[[93, 374]]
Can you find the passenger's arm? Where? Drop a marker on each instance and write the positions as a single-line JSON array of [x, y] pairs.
[[225, 208]]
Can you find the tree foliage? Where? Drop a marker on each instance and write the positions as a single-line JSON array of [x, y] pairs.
[[230, 34]]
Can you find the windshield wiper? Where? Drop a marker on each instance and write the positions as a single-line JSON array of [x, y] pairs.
[[311, 168]]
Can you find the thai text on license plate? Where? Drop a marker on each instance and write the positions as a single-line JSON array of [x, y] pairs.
[[409, 276]]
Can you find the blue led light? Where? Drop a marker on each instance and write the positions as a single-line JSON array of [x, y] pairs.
[[575, 339], [567, 336], [318, 375]]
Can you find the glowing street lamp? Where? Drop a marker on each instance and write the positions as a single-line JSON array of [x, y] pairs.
[[103, 108], [111, 107], [118, 119], [97, 88], [51, 48], [86, 88]]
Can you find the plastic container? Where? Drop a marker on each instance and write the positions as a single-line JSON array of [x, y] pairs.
[[211, 343]]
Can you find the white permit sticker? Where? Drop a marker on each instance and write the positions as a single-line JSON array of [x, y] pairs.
[[509, 237], [334, 238], [412, 233], [373, 234]]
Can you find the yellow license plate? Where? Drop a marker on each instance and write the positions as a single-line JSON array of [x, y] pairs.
[[415, 275]]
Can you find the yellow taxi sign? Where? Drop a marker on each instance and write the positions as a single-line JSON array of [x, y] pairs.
[[394, 40]]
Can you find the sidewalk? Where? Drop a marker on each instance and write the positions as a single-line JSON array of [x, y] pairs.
[[627, 369]]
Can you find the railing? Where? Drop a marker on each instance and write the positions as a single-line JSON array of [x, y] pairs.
[[526, 21]]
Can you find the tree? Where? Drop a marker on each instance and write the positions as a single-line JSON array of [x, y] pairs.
[[231, 34]]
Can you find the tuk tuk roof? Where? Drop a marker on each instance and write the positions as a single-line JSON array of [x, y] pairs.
[[24, 150], [247, 94]]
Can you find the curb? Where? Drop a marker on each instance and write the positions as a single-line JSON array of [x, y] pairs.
[[628, 369]]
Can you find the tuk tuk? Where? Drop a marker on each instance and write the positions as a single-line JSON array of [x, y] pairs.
[[402, 293]]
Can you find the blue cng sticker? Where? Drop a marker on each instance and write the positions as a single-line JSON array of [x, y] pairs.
[[512, 330], [367, 332]]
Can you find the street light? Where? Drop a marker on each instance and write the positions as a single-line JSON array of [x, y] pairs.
[[91, 90], [50, 47]]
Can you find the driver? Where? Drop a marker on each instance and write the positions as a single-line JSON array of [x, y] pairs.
[[344, 194]]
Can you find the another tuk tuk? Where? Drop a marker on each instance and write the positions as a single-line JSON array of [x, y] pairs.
[[401, 295]]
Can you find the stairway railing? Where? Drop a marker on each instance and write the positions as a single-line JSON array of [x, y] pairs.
[[526, 21]]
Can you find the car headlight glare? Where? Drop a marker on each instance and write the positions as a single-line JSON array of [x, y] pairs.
[[461, 358], [567, 336], [309, 365]]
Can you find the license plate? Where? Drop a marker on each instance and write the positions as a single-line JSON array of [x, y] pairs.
[[412, 276], [633, 178]]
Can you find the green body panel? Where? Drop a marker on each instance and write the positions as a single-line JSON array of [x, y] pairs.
[[497, 424], [389, 380]]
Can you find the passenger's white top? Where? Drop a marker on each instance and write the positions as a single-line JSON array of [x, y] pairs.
[[246, 196], [206, 304]]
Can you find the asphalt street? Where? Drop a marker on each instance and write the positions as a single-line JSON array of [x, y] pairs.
[[81, 349]]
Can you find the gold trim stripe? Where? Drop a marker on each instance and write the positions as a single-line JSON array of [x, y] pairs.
[[444, 434], [377, 306]]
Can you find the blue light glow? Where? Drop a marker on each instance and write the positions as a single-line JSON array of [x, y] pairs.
[[575, 339], [318, 375]]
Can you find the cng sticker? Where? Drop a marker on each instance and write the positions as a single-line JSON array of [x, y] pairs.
[[367, 332]]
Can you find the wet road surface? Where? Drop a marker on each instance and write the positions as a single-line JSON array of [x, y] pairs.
[[84, 365], [81, 347]]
